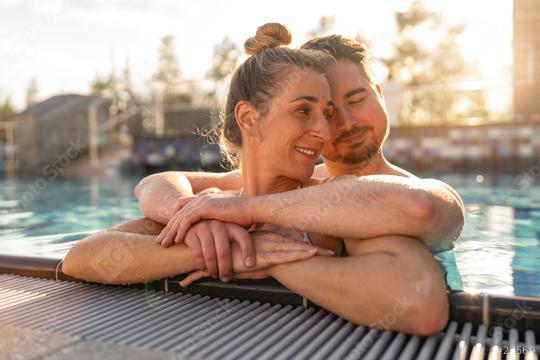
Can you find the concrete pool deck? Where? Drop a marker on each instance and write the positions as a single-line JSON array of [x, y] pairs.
[[26, 344]]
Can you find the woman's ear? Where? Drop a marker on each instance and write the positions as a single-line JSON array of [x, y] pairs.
[[246, 116]]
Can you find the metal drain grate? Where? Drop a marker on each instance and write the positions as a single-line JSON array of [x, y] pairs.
[[213, 328]]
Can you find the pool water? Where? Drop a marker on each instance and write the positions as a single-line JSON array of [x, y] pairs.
[[46, 218], [498, 252]]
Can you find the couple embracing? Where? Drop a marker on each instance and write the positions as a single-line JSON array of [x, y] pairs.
[[355, 235]]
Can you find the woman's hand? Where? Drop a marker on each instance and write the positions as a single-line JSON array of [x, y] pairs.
[[210, 243], [272, 249], [199, 274], [213, 206]]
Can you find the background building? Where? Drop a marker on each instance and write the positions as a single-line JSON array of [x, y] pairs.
[[45, 131], [527, 60]]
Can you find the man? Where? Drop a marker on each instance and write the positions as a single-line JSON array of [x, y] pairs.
[[390, 270]]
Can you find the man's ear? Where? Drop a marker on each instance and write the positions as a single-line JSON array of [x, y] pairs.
[[246, 116], [378, 88]]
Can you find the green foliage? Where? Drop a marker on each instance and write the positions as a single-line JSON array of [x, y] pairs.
[[117, 88], [414, 16], [428, 72], [105, 86], [127, 94], [224, 61], [7, 111], [225, 57], [31, 92], [324, 26], [167, 78]]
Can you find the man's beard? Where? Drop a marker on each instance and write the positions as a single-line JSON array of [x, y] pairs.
[[358, 155]]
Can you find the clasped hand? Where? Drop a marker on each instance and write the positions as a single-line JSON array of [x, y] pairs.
[[216, 228]]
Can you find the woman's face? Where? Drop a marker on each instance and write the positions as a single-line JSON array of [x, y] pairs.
[[295, 125]]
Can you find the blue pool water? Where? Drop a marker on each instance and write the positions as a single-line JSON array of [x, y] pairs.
[[498, 252]]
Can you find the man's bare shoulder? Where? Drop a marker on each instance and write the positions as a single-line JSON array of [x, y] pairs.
[[326, 180], [392, 169], [434, 182], [322, 176]]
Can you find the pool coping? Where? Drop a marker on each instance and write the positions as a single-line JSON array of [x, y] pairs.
[[521, 312]]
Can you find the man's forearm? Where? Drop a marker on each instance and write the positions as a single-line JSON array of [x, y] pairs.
[[404, 293], [366, 207]]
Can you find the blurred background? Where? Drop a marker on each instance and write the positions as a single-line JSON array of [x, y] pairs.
[[96, 94]]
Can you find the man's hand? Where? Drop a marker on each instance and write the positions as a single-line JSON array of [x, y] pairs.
[[220, 206], [210, 244], [272, 249]]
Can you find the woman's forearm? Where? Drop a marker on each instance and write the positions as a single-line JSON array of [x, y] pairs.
[[200, 181], [117, 257], [158, 193]]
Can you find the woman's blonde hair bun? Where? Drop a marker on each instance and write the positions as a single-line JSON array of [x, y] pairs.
[[268, 36]]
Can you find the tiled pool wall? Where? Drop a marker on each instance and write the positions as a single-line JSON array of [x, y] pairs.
[[496, 148]]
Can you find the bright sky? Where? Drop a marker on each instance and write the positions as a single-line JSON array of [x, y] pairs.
[[63, 43]]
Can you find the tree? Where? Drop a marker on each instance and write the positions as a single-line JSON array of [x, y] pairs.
[[128, 95], [118, 88], [225, 57], [224, 60], [167, 78], [7, 111], [360, 38], [120, 91], [428, 72], [31, 92], [324, 26], [106, 86]]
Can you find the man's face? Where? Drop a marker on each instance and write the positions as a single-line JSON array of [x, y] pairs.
[[360, 124]]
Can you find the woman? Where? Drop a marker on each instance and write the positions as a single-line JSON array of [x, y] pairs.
[[275, 124]]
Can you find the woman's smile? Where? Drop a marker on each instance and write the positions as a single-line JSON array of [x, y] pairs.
[[310, 153]]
